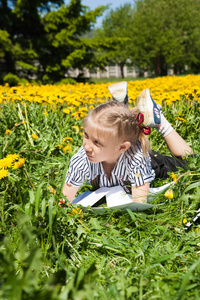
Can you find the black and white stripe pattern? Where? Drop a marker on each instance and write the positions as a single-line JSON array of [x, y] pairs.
[[195, 221], [131, 166]]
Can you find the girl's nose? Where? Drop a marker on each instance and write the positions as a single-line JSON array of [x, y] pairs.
[[87, 145]]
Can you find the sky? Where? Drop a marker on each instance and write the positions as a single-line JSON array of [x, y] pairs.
[[92, 4]]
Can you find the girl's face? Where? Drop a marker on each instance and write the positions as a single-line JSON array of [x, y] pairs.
[[100, 147]]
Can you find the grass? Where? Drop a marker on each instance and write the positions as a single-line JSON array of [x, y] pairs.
[[114, 79], [51, 252]]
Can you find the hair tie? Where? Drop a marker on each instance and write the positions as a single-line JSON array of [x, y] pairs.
[[140, 118]]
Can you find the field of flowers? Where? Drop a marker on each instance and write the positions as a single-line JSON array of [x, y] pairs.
[[51, 252]]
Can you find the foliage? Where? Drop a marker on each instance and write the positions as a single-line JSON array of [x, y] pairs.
[[5, 42], [117, 25], [166, 33], [43, 38], [63, 48], [67, 81], [153, 35], [51, 252], [11, 79]]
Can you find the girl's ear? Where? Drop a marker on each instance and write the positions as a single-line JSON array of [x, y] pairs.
[[124, 146]]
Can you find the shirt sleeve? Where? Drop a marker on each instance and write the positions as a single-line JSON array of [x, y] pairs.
[[78, 170], [141, 171]]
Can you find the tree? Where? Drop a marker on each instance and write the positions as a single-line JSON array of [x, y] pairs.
[[115, 31], [20, 21], [42, 38], [166, 32], [63, 46]]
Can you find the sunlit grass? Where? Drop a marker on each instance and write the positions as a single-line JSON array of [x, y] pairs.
[[51, 252]]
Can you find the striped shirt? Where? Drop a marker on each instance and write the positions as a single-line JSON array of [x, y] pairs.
[[130, 167]]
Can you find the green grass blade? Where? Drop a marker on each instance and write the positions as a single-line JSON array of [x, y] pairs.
[[43, 208], [50, 213], [37, 198], [186, 279], [63, 181]]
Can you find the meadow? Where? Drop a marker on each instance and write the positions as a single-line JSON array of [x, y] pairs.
[[56, 253]]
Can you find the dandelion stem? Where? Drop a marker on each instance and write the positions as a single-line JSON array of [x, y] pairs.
[[29, 179], [5, 146]]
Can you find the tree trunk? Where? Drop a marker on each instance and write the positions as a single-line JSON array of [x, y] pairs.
[[9, 63], [175, 69], [121, 65], [160, 66]]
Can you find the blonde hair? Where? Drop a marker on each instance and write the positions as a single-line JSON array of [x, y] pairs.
[[116, 119]]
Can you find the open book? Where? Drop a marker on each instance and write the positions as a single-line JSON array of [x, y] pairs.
[[117, 198]]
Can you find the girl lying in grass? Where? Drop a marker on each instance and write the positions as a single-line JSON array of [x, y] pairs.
[[116, 150]]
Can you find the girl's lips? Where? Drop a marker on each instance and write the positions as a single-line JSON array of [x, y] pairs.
[[89, 156]]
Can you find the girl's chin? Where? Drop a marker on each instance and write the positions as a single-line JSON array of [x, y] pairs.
[[92, 159]]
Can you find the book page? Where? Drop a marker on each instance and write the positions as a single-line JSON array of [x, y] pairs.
[[95, 196]]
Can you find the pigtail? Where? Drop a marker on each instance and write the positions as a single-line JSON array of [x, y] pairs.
[[140, 131], [145, 143]]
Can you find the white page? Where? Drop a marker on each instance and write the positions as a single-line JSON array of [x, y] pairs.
[[117, 196], [81, 196], [134, 206], [153, 192], [94, 197], [160, 189]]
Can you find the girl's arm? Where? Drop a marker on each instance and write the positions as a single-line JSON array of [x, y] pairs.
[[70, 191], [139, 193]]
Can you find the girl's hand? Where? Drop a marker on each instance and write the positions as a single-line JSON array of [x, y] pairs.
[[139, 193], [70, 191]]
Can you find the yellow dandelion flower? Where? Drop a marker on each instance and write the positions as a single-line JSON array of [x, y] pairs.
[[76, 128], [74, 114], [8, 160], [196, 229], [8, 131], [70, 108], [51, 189], [13, 156], [174, 176], [180, 119], [34, 136], [5, 163], [18, 164], [3, 173], [67, 148], [77, 211], [66, 111], [67, 138], [59, 146], [82, 109], [184, 221], [81, 115], [76, 103], [168, 102], [169, 194]]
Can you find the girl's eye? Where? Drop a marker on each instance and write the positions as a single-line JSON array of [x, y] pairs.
[[97, 143], [85, 135]]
